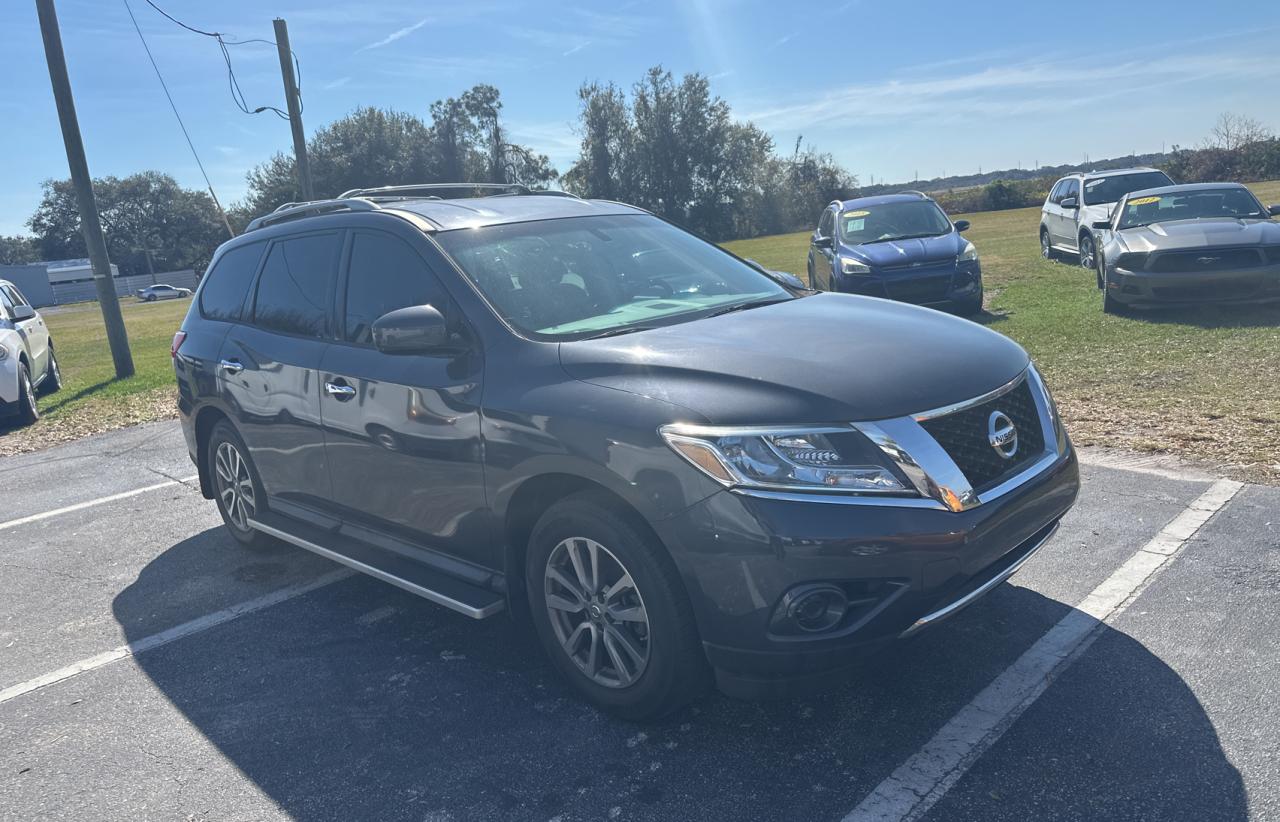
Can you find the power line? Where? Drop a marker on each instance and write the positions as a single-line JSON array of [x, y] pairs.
[[181, 124], [237, 94]]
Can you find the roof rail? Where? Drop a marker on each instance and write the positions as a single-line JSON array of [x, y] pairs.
[[919, 194], [292, 211], [408, 190]]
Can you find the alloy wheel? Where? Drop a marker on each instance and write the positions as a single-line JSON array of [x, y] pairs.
[[1045, 250], [235, 485], [597, 613], [1088, 253]]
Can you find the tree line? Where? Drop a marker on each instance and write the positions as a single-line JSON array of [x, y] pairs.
[[666, 144]]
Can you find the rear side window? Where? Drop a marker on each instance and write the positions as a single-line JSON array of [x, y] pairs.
[[227, 283], [826, 225], [385, 274], [296, 284]]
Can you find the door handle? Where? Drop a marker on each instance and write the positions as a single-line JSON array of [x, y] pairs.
[[339, 391], [231, 366]]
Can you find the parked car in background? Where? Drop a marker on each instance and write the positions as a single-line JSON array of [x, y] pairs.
[[162, 292], [28, 366], [579, 413], [900, 246], [1190, 244], [1078, 201]]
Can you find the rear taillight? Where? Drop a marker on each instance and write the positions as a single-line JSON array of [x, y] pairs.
[[178, 339]]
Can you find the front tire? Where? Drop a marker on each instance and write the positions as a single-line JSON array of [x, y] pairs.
[[611, 611], [237, 489], [52, 375], [28, 411], [1046, 248], [1088, 251]]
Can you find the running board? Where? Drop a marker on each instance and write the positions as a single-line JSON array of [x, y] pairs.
[[401, 572]]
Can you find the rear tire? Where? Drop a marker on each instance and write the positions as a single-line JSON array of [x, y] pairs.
[[630, 646], [28, 411], [1046, 248], [1111, 305], [236, 486]]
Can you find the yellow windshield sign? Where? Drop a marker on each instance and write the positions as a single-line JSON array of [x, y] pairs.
[[1144, 201], [848, 214]]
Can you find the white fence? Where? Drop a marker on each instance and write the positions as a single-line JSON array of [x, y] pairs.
[[125, 286]]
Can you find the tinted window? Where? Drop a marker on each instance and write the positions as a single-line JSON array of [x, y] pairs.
[[385, 274], [6, 304], [1111, 189], [297, 279], [893, 221], [825, 224], [15, 295], [1197, 204], [1072, 189], [227, 282], [1056, 193]]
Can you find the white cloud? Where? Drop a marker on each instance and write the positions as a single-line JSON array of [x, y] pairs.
[[394, 36], [333, 84]]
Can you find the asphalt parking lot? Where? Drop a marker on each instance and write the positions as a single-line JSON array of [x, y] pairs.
[[150, 668]]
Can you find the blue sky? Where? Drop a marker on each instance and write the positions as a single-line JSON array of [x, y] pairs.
[[889, 88]]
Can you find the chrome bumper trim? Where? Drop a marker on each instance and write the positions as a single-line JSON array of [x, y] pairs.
[[972, 596]]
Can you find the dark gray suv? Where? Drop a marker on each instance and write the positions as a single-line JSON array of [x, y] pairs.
[[677, 470]]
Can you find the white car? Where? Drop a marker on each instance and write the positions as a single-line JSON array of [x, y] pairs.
[[162, 292], [27, 363], [1079, 200]]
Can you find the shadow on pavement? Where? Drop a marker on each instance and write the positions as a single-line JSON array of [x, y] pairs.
[[359, 701]]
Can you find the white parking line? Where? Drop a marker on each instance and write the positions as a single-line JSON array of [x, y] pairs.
[[177, 632], [79, 506], [911, 790]]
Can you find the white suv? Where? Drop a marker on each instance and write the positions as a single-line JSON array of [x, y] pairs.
[[1077, 201], [27, 363]]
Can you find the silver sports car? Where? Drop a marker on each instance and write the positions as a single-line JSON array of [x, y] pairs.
[[1189, 244]]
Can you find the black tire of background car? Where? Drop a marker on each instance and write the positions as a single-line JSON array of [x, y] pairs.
[[52, 375], [1046, 249], [1111, 305], [224, 431], [1100, 270], [970, 307], [28, 412], [1087, 244], [677, 671]]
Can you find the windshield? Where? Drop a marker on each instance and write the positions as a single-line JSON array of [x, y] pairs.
[[1111, 189], [1204, 203], [585, 276], [893, 221]]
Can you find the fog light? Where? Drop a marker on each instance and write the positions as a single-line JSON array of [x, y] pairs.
[[816, 608]]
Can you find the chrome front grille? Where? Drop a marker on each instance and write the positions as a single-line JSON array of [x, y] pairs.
[[965, 436]]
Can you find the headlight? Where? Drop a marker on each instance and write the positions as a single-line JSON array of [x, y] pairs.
[[848, 265], [970, 253], [801, 458]]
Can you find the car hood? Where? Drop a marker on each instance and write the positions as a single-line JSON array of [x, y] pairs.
[[897, 252], [1193, 234], [818, 359]]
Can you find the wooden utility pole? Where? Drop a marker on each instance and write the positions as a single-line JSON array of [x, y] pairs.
[[295, 110], [90, 225]]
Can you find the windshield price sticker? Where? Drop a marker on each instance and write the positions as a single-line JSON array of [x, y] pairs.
[[1144, 201]]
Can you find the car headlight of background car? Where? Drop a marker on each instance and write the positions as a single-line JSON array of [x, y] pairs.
[[848, 265], [969, 254], [799, 458]]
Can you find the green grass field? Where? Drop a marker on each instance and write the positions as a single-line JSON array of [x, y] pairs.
[[1202, 383], [91, 399]]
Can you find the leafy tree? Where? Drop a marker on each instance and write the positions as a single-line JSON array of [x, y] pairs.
[[143, 212], [464, 142], [675, 149], [16, 250]]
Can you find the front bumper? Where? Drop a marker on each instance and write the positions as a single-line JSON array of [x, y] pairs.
[[929, 284], [741, 554], [1250, 285]]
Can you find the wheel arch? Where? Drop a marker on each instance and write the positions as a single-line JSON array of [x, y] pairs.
[[528, 503], [206, 418]]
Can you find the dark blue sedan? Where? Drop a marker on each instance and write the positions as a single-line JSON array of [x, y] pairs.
[[899, 246]]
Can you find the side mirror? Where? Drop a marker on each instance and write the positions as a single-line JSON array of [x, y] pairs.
[[1274, 210], [822, 242], [785, 279], [23, 312], [418, 329], [1070, 202], [1101, 225], [962, 225]]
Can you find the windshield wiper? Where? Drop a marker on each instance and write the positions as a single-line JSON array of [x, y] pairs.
[[615, 332], [903, 237], [729, 309]]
